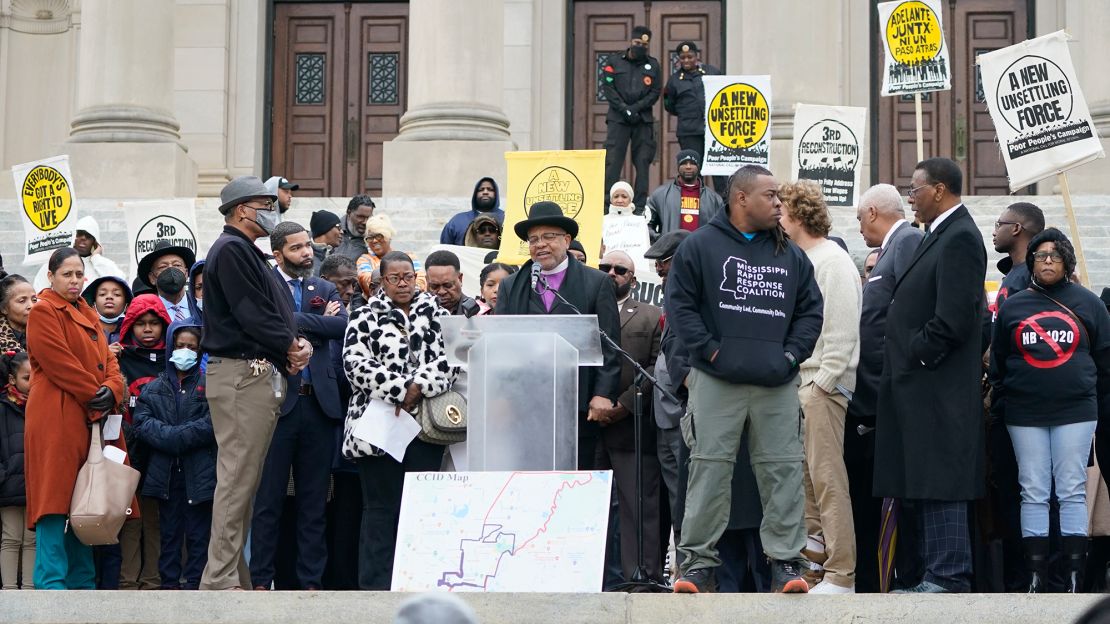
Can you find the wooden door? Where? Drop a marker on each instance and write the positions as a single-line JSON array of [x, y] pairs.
[[955, 123], [339, 93], [603, 28]]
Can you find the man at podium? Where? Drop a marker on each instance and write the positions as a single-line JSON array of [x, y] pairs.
[[532, 290]]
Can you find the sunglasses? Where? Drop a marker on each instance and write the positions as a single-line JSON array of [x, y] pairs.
[[615, 268]]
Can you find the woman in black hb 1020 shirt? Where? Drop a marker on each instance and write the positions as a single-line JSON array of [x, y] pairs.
[[1049, 368]]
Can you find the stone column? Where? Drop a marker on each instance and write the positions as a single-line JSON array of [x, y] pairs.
[[454, 130], [124, 139]]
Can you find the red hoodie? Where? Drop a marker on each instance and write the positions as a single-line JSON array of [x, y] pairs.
[[140, 364]]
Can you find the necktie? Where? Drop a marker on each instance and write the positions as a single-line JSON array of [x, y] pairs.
[[295, 286], [178, 315]]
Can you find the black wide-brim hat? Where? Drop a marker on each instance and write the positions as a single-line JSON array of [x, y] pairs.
[[546, 213], [165, 249]]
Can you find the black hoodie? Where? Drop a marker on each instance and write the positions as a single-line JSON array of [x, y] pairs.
[[1047, 367], [734, 296]]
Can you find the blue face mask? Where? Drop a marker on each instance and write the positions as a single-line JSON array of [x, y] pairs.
[[110, 321], [184, 359]]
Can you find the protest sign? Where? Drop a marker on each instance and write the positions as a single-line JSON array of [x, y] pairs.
[[574, 179], [48, 213], [1038, 109], [629, 233], [1041, 117], [150, 222], [500, 531], [471, 263], [737, 122], [827, 149], [916, 55]]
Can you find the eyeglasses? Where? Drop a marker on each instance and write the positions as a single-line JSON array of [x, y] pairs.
[[910, 192], [615, 268], [375, 237], [547, 237], [395, 279], [267, 205], [662, 261], [998, 224], [488, 229], [1048, 256]]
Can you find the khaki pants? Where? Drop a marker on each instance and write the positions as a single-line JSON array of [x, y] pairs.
[[716, 417], [828, 502], [244, 413], [16, 541], [140, 546]]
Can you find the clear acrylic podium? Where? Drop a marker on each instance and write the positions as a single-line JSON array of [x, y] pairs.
[[522, 386]]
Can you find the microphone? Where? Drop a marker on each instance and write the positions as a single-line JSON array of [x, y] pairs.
[[535, 276]]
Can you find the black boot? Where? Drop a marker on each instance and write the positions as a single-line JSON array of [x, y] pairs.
[[1036, 559], [1075, 561]]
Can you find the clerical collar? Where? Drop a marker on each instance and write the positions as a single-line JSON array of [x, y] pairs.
[[562, 266]]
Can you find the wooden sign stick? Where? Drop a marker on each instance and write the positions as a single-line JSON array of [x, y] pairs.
[[920, 135], [1062, 178]]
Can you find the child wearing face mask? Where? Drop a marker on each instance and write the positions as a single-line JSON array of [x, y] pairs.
[[141, 360], [17, 544], [109, 296], [171, 417]]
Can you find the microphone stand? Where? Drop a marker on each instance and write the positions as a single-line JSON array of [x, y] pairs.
[[640, 581]]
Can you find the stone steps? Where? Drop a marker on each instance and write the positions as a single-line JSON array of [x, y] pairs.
[[182, 607]]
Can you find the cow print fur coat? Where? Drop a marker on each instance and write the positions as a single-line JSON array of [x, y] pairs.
[[383, 350]]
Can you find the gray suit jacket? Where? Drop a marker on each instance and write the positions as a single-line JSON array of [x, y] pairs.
[[640, 336], [877, 293]]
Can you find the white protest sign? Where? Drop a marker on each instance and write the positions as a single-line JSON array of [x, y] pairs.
[[48, 213], [471, 260], [737, 123], [627, 233], [827, 148], [913, 39], [1038, 109], [501, 531], [150, 222]]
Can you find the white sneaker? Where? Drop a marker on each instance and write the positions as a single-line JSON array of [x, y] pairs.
[[825, 587]]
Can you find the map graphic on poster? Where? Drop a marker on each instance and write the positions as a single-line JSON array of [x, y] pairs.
[[502, 531]]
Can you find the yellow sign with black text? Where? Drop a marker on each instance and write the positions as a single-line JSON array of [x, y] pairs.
[[737, 123], [573, 179], [48, 215]]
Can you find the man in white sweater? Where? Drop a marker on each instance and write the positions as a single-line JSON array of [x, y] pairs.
[[827, 380]]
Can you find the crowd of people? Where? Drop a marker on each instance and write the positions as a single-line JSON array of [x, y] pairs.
[[808, 410], [812, 428]]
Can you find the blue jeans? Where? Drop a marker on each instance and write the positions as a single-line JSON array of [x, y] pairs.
[[1048, 455]]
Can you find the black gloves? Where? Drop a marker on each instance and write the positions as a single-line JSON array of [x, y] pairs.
[[103, 401]]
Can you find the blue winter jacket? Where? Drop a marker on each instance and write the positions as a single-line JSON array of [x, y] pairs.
[[173, 419]]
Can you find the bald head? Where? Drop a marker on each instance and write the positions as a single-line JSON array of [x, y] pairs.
[[880, 207], [620, 258]]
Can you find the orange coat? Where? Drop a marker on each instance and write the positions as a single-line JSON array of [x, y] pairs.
[[70, 360]]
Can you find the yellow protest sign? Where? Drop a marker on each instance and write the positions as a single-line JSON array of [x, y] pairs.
[[913, 33], [574, 179], [46, 195], [916, 59], [738, 116], [737, 122]]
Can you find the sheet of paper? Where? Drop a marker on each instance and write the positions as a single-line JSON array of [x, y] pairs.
[[458, 456], [112, 426], [112, 453], [384, 429]]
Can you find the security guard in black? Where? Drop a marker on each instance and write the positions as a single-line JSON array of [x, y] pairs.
[[630, 81]]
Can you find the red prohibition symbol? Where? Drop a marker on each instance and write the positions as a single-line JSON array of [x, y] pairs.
[[1052, 338]]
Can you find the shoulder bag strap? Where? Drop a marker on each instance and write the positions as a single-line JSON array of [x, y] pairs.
[[1082, 325]]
